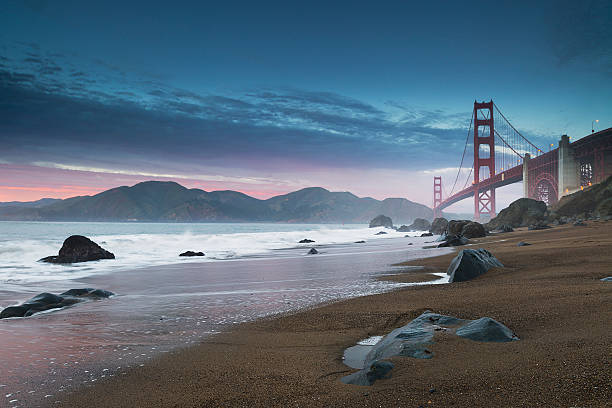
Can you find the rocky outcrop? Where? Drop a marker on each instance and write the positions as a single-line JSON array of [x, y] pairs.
[[381, 221], [420, 224], [453, 240], [305, 241], [415, 338], [473, 230], [438, 226], [504, 228], [520, 213], [593, 201], [78, 248], [192, 253], [48, 301], [471, 263]]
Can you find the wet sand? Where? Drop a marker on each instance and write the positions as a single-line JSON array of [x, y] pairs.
[[549, 294]]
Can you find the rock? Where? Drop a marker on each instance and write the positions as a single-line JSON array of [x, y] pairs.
[[608, 279], [313, 251], [505, 228], [381, 221], [486, 329], [192, 253], [523, 243], [520, 213], [455, 227], [420, 224], [360, 242], [413, 340], [48, 301], [580, 223], [473, 230], [453, 240], [376, 371], [403, 228], [381, 233], [78, 248], [305, 241], [539, 226], [438, 226], [427, 234], [470, 263]]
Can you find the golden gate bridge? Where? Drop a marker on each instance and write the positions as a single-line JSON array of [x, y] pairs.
[[501, 155]]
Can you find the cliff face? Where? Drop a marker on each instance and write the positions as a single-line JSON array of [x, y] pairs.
[[168, 201]]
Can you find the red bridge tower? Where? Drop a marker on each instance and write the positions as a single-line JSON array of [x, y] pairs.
[[484, 135], [437, 196]]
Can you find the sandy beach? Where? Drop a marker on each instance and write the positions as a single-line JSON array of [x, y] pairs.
[[549, 294]]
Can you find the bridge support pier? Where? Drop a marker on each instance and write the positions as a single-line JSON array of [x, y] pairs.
[[569, 168], [526, 160]]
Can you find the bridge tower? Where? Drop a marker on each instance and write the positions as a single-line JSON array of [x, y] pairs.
[[437, 200], [484, 135]]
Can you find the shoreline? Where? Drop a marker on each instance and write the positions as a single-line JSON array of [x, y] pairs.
[[560, 311]]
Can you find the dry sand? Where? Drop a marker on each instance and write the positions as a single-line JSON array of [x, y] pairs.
[[549, 294]]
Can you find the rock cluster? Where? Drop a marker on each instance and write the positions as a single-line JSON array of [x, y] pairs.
[[78, 248], [48, 301]]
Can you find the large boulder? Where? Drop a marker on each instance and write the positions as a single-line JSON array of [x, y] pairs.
[[438, 226], [78, 248], [420, 224], [486, 329], [455, 227], [48, 301], [473, 230], [521, 213], [470, 263], [381, 221]]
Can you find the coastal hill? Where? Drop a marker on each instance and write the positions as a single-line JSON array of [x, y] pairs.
[[169, 201]]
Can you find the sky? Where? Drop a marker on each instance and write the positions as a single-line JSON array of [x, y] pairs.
[[270, 97]]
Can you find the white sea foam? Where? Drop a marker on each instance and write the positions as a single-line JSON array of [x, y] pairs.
[[140, 245]]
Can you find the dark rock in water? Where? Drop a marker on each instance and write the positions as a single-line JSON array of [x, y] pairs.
[[410, 243], [486, 329], [360, 242], [539, 226], [88, 292], [470, 263], [192, 253], [403, 228], [473, 230], [523, 243], [381, 233], [427, 234], [420, 224], [454, 240], [377, 371], [415, 338], [455, 227], [438, 226], [580, 223], [505, 228], [305, 241], [78, 248], [381, 221], [48, 301], [520, 213], [313, 251], [608, 279]]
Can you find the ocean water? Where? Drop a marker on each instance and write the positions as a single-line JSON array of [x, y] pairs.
[[163, 301], [136, 245]]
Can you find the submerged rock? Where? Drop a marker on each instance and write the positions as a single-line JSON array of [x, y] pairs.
[[78, 248], [438, 226], [48, 301], [192, 253], [313, 251], [414, 339], [427, 234], [360, 242], [381, 221], [381, 233], [471, 263], [305, 241], [453, 240]]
